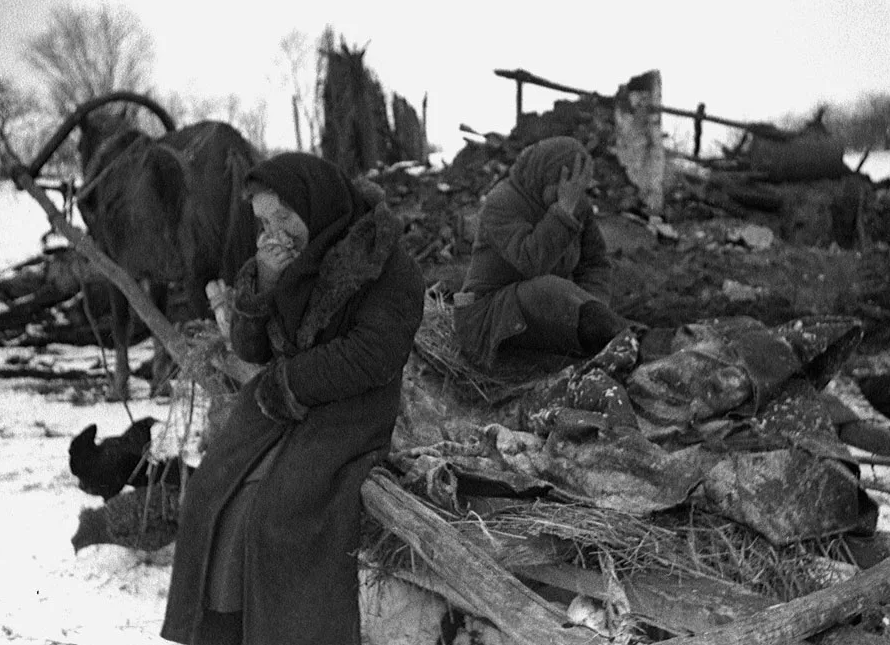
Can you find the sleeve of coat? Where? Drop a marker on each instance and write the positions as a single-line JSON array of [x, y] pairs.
[[532, 250], [594, 271], [370, 355], [250, 314]]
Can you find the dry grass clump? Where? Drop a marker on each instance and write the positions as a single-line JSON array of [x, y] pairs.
[[731, 551], [206, 346], [685, 542], [202, 394], [436, 343]]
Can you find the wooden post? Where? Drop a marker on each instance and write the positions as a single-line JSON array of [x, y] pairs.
[[426, 143], [518, 100], [699, 117]]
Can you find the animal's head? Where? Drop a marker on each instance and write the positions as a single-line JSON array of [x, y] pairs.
[[108, 148], [82, 446], [83, 454], [97, 128]]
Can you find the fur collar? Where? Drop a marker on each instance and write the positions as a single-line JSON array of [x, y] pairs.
[[349, 265]]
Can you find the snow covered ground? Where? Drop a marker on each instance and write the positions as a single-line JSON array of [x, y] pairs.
[[104, 594]]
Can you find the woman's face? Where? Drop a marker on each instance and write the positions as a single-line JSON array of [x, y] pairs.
[[279, 219]]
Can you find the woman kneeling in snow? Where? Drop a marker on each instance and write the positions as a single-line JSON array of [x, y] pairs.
[[270, 525]]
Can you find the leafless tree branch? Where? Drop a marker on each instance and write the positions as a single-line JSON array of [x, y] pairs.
[[84, 53]]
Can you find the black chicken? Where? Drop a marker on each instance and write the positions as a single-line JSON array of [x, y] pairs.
[[104, 468]]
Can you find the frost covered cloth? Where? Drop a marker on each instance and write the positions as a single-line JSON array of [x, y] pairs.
[[336, 332], [721, 365], [756, 443], [532, 265]]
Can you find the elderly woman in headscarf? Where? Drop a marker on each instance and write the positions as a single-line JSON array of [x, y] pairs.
[[269, 529], [538, 277]]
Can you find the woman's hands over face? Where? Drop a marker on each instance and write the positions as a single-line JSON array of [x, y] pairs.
[[573, 185], [273, 254], [284, 236]]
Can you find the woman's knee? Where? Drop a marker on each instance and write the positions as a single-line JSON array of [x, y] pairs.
[[597, 325], [546, 284], [549, 295]]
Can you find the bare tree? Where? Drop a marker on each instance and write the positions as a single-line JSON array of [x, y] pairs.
[[232, 105], [177, 106], [12, 107], [295, 50], [867, 124], [252, 123], [305, 83], [24, 127], [83, 53], [251, 120]]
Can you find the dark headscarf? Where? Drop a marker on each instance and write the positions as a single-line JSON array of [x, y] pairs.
[[319, 191], [325, 199], [539, 165]]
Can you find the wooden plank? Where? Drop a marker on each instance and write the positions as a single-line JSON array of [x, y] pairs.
[[468, 570], [523, 76], [677, 604], [802, 617]]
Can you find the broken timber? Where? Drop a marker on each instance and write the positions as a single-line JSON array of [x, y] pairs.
[[677, 604], [802, 617], [492, 593]]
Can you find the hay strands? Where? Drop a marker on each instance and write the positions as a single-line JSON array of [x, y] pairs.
[[435, 342]]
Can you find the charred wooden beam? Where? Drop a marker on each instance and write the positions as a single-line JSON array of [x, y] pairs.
[[678, 604], [523, 76], [468, 570]]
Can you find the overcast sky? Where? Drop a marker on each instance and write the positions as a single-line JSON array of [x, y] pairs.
[[753, 60]]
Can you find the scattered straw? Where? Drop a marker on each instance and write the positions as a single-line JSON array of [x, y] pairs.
[[435, 342], [206, 344], [728, 550], [686, 541], [217, 390]]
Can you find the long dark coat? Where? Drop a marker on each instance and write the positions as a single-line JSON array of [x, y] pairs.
[[336, 377], [532, 263]]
